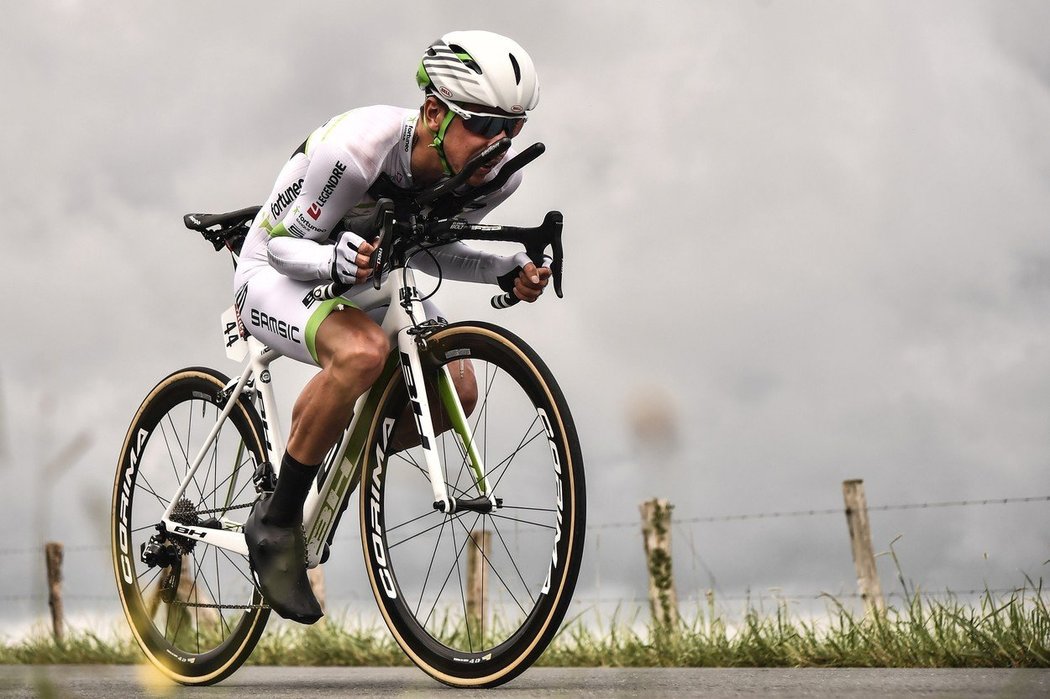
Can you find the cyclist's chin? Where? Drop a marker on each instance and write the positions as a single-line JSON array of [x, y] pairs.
[[479, 175]]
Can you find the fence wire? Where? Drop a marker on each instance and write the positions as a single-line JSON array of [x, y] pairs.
[[716, 594], [827, 511]]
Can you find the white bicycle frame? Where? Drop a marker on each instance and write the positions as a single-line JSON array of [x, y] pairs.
[[404, 314]]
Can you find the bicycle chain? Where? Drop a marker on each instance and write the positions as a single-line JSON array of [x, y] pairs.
[[219, 606], [224, 509]]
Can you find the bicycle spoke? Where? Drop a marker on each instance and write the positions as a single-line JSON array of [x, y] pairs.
[[428, 529], [167, 444], [500, 577], [425, 472], [533, 509], [218, 583], [433, 556], [414, 519], [484, 403], [185, 455], [224, 481], [524, 521], [211, 593], [521, 445], [236, 567], [138, 577], [510, 557], [455, 566], [149, 489], [196, 610], [462, 589]]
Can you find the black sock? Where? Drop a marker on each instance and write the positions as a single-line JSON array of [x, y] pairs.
[[286, 505]]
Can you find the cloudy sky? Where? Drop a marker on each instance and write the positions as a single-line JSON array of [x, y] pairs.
[[812, 236]]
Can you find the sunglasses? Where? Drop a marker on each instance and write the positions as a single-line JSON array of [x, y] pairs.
[[486, 125]]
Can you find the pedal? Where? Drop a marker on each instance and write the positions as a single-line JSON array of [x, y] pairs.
[[264, 478]]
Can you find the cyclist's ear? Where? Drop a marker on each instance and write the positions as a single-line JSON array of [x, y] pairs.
[[433, 112]]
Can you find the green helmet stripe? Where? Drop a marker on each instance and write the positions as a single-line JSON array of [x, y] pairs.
[[422, 79]]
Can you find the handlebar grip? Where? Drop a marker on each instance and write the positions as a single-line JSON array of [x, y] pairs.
[[505, 300]]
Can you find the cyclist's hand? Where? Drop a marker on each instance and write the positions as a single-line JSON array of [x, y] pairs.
[[531, 281], [352, 259]]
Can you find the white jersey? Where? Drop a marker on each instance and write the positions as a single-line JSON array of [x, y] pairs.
[[326, 181], [288, 249]]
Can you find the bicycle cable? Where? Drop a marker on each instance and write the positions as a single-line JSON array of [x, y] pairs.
[[441, 273]]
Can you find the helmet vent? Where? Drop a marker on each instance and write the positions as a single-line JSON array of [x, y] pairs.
[[517, 68], [466, 58]]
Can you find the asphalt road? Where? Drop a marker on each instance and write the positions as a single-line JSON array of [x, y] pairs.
[[274, 682]]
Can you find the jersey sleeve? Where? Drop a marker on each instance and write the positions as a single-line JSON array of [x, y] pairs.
[[334, 182]]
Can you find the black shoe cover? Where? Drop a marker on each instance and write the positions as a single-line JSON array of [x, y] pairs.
[[278, 557]]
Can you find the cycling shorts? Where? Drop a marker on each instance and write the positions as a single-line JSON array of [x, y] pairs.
[[282, 314]]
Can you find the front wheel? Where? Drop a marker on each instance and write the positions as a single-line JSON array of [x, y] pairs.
[[473, 598], [193, 608]]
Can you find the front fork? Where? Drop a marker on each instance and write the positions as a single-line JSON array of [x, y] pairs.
[[410, 344]]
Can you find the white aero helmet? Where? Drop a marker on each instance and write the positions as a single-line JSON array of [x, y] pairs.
[[478, 67]]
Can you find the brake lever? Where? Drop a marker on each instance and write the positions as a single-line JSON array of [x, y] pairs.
[[549, 234], [552, 222], [385, 235]]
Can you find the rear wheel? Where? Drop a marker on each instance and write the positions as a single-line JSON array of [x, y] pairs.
[[474, 598], [193, 608]]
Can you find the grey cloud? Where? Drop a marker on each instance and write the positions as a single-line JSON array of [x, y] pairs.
[[821, 228]]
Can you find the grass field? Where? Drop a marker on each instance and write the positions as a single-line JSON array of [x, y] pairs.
[[1007, 631]]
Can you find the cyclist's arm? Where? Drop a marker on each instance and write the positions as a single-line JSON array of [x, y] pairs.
[[333, 183], [462, 262]]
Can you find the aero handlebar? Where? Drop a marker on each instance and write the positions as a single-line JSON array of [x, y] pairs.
[[405, 225]]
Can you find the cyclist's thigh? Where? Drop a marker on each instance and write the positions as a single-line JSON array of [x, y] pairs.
[[350, 332], [281, 313]]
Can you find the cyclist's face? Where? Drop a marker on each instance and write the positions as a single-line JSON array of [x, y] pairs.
[[461, 145]]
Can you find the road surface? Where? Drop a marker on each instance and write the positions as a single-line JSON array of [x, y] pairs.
[[276, 682]]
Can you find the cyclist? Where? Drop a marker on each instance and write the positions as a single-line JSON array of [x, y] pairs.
[[479, 87]]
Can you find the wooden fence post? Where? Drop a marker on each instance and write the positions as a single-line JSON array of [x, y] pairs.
[[860, 542], [53, 554], [478, 552], [656, 533]]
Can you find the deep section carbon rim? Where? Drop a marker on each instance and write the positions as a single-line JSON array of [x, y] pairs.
[[475, 597], [194, 608]]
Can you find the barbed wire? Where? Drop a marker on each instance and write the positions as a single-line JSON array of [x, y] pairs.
[[958, 503], [828, 511]]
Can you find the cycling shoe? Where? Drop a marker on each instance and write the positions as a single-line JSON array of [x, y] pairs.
[[278, 557]]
